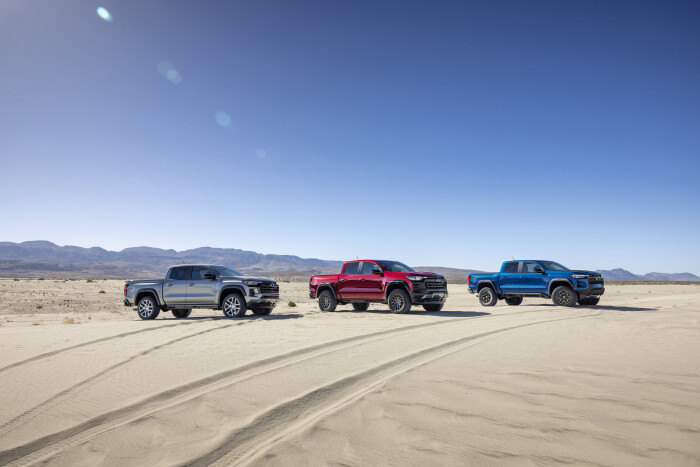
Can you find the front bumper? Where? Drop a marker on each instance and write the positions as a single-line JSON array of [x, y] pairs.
[[591, 292], [263, 301], [426, 297]]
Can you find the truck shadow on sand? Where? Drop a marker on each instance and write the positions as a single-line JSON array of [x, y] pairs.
[[447, 314], [271, 317], [599, 307]]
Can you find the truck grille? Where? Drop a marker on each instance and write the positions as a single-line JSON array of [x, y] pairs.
[[595, 279], [269, 288], [435, 283]]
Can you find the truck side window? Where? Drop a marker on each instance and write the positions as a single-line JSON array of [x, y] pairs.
[[179, 274], [199, 271], [511, 267], [529, 267], [351, 268], [367, 268]]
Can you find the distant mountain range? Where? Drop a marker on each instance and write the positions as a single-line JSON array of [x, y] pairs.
[[623, 274], [42, 258], [46, 259]]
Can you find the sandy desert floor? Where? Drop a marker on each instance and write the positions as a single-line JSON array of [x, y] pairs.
[[83, 381]]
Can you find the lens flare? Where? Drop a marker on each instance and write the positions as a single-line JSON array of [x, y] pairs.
[[222, 118], [104, 14], [168, 71]]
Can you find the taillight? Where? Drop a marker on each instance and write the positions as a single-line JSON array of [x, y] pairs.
[[125, 286], [469, 279]]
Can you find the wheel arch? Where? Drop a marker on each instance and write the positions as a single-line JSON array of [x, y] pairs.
[[390, 286], [487, 283], [557, 282], [227, 290], [143, 292], [326, 286]]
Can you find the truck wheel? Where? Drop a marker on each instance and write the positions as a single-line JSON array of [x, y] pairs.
[[588, 301], [362, 306], [326, 301], [433, 307], [234, 306], [148, 307], [514, 301], [487, 297], [399, 301], [564, 296], [182, 313], [261, 311]]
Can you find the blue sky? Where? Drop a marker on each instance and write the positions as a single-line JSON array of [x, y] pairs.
[[436, 133]]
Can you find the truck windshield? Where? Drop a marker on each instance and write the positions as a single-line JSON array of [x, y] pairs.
[[394, 266], [226, 271], [552, 266]]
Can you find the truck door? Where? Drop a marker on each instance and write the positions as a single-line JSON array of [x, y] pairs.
[[370, 286], [175, 285], [509, 278], [534, 282], [349, 281], [201, 291]]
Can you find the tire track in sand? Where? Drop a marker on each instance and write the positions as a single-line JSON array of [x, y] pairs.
[[94, 379], [85, 344], [273, 425], [56, 442]]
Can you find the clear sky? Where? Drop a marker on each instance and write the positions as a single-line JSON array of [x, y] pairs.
[[436, 133]]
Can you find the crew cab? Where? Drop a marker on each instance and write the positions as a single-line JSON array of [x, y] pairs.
[[366, 281], [188, 286], [537, 278]]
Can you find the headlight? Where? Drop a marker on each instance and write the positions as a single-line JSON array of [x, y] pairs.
[[251, 282], [415, 278], [579, 276]]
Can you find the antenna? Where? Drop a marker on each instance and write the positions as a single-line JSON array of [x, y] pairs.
[[513, 258]]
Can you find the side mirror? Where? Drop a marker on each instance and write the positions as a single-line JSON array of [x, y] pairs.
[[538, 269], [210, 276], [377, 272]]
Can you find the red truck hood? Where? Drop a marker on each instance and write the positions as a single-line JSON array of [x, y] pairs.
[[419, 273]]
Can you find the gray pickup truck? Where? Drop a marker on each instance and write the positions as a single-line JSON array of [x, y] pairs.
[[189, 286]]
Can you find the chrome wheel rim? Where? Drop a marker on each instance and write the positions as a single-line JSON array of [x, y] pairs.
[[396, 302], [232, 305], [563, 297], [145, 308], [324, 301], [485, 296]]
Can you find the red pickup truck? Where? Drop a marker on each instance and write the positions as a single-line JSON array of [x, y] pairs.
[[366, 281]]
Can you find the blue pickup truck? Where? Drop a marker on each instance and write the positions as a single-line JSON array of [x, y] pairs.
[[537, 278]]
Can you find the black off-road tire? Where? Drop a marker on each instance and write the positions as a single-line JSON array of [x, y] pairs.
[[564, 296], [433, 307], [514, 301], [261, 311], [399, 301], [588, 301], [148, 307], [181, 314], [361, 306], [487, 297], [234, 305], [327, 301]]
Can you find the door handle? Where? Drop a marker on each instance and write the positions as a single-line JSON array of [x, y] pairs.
[[191, 283], [342, 280], [169, 284], [362, 279]]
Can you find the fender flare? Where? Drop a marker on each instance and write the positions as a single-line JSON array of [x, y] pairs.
[[143, 292], [326, 285], [391, 285], [553, 284], [230, 288], [487, 282]]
